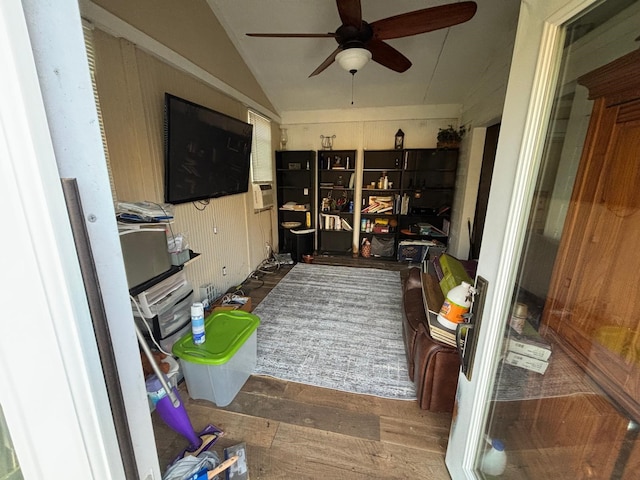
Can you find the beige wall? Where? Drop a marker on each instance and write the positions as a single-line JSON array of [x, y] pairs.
[[131, 86], [482, 108], [369, 132]]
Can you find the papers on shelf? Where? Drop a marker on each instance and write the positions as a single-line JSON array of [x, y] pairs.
[[293, 206], [144, 212]]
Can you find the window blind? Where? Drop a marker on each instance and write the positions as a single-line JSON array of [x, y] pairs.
[[261, 155], [91, 58]]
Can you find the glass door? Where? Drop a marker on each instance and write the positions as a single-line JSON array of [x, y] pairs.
[[555, 388]]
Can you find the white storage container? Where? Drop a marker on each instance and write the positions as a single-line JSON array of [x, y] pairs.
[[217, 369]]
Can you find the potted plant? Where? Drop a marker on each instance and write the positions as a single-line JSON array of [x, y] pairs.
[[450, 137]]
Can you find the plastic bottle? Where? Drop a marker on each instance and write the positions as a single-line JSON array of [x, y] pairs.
[[456, 304], [197, 323], [494, 460], [519, 317]]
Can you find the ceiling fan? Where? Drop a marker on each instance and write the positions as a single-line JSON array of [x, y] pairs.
[[359, 41]]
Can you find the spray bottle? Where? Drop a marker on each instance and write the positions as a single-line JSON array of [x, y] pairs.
[[197, 323]]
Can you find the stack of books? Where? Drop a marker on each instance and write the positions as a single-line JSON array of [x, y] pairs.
[[433, 300], [528, 349], [439, 332], [379, 205]]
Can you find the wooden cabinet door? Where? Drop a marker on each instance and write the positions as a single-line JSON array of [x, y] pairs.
[[594, 299]]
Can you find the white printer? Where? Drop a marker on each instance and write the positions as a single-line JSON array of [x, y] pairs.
[[164, 310]]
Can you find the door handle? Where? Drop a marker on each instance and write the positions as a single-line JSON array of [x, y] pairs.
[[467, 332]]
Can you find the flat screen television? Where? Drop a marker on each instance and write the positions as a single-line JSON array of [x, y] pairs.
[[207, 153]]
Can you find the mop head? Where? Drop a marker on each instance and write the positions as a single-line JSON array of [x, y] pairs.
[[239, 470], [208, 437]]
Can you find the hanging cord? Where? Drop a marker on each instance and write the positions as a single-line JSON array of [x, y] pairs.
[[353, 76]]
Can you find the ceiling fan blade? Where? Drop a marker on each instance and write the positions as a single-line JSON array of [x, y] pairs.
[[292, 35], [330, 59], [386, 55], [350, 12], [422, 21]]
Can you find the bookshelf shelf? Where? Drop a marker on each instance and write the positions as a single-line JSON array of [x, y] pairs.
[[336, 189], [295, 179]]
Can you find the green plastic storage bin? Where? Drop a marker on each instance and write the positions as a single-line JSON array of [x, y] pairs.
[[217, 369]]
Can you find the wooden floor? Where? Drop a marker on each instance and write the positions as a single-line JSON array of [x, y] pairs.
[[295, 431]]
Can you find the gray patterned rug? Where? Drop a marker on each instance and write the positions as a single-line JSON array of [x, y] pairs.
[[335, 327]]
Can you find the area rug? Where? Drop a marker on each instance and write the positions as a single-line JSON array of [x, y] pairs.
[[335, 327]]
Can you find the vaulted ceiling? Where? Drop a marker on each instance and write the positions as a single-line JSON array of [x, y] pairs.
[[446, 63]]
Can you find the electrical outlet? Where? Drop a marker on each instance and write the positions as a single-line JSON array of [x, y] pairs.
[[224, 270], [215, 230]]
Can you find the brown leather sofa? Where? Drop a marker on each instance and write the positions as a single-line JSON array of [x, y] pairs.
[[433, 366]]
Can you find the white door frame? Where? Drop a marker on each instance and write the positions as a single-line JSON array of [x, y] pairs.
[[526, 112], [53, 391]]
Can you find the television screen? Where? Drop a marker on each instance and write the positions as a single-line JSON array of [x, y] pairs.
[[207, 153]]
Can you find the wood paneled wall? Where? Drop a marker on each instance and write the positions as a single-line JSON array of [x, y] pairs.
[[131, 86]]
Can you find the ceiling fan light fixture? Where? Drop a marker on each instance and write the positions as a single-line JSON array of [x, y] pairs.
[[353, 59]]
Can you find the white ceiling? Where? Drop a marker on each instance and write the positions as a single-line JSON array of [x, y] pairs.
[[446, 63]]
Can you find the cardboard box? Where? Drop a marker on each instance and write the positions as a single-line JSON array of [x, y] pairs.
[[219, 306]]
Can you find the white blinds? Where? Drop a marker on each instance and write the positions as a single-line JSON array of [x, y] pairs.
[[91, 58], [261, 155]]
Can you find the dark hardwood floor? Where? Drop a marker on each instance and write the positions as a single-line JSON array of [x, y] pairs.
[[296, 431]]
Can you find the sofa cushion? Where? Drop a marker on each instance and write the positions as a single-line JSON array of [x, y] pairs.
[[413, 314], [436, 373]]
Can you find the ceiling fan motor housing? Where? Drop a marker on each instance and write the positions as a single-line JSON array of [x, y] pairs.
[[349, 36]]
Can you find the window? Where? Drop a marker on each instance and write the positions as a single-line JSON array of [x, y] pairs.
[[261, 156]]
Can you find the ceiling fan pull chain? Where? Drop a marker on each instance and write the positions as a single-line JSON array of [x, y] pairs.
[[352, 77]]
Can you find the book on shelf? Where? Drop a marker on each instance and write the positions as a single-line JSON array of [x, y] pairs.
[[529, 363], [528, 343], [446, 226], [333, 222], [440, 332], [404, 205], [379, 204], [345, 225]]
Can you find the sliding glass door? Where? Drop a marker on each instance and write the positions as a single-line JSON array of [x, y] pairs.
[[555, 389]]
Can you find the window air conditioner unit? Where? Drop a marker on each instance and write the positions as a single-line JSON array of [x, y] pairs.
[[263, 196]]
